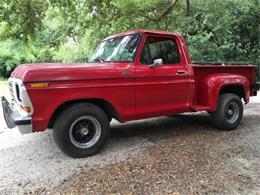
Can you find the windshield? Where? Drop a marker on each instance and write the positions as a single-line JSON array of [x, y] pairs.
[[119, 49]]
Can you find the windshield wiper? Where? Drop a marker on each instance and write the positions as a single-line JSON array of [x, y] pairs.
[[98, 59]]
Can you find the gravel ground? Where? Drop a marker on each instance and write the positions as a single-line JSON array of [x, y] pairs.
[[166, 155]]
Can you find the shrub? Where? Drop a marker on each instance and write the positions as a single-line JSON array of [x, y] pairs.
[[15, 52]]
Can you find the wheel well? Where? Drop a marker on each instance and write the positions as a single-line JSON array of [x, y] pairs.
[[104, 105], [236, 89]]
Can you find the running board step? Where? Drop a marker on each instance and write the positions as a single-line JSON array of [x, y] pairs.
[[200, 108]]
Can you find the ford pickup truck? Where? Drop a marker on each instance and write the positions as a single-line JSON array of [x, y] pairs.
[[130, 76]]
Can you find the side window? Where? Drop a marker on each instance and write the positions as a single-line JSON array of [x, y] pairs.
[[160, 48]]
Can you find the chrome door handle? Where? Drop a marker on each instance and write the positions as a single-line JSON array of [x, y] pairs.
[[181, 72]]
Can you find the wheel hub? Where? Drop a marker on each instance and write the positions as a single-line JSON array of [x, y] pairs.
[[84, 131], [232, 112]]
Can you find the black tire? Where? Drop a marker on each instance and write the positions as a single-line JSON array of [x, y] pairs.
[[81, 130], [229, 112]]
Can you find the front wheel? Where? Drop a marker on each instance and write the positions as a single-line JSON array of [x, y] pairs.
[[229, 112], [81, 130]]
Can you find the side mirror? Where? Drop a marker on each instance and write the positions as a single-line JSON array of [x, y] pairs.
[[156, 62]]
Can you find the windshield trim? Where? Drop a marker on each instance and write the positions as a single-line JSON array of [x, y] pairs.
[[137, 47]]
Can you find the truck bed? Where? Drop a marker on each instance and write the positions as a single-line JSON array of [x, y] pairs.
[[202, 70]]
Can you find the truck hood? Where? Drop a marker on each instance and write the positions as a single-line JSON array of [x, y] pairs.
[[59, 72]]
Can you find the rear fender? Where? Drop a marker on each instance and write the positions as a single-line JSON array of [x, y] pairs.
[[211, 85]]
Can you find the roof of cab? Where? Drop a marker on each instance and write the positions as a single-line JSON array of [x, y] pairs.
[[144, 31]]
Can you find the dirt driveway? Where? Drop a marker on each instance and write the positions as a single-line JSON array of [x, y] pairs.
[[167, 155]]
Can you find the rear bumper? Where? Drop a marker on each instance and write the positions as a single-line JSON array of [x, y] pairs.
[[15, 119], [255, 88]]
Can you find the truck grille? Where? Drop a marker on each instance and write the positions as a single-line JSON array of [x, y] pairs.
[[19, 94], [11, 88]]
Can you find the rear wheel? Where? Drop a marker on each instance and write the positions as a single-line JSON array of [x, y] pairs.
[[81, 130], [229, 112]]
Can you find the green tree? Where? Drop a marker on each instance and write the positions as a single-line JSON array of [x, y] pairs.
[[68, 30]]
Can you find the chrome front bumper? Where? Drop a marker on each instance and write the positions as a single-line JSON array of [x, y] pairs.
[[15, 119]]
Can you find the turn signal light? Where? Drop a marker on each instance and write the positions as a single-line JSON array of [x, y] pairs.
[[26, 109], [39, 85]]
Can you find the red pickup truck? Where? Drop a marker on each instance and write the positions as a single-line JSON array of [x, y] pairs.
[[130, 76]]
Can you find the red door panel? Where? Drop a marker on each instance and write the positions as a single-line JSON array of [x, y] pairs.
[[163, 89]]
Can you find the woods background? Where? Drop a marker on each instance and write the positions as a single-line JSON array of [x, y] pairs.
[[68, 30]]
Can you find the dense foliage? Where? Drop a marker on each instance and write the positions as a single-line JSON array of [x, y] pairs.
[[68, 30]]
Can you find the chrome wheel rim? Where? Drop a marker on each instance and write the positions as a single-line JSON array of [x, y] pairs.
[[232, 112], [85, 132]]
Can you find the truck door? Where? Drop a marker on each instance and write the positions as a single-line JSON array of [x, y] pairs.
[[161, 88]]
